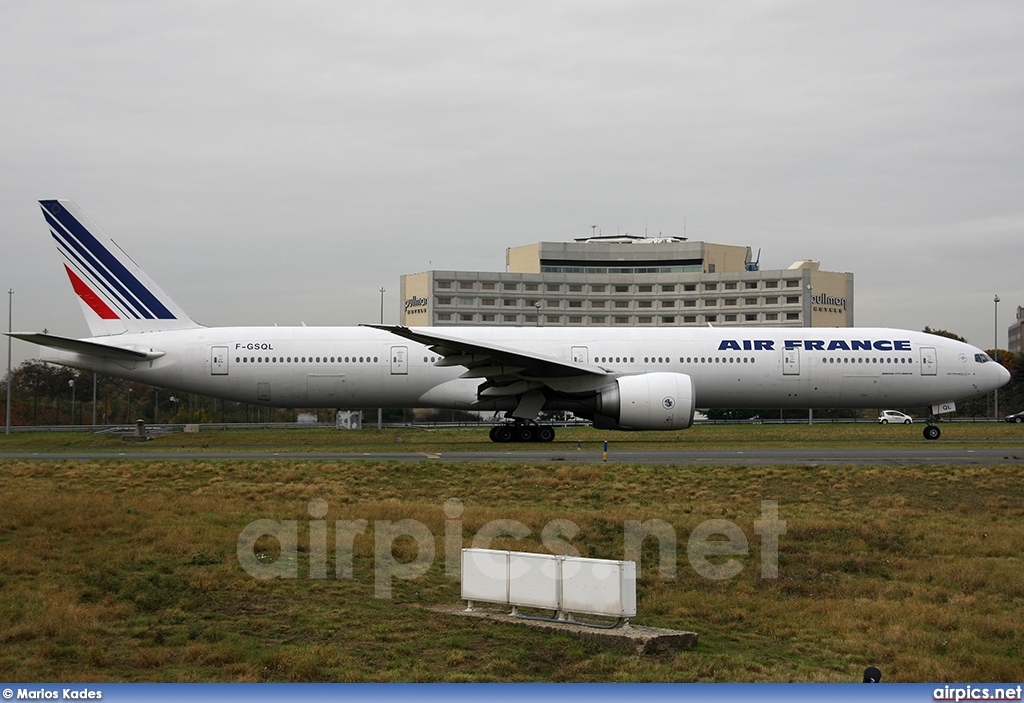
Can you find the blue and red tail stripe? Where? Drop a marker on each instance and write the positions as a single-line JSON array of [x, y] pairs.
[[94, 262]]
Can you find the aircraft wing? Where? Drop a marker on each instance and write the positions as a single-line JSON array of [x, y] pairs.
[[81, 346], [492, 361]]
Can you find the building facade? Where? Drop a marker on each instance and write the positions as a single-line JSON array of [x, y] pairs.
[[1013, 335], [630, 281]]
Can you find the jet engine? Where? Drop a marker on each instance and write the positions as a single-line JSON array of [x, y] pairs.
[[650, 401]]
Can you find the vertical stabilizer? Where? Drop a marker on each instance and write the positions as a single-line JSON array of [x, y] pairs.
[[116, 295]]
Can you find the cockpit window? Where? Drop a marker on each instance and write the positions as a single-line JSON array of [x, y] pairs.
[[982, 358]]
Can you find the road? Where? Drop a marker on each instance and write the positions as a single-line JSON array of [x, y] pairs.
[[926, 454]]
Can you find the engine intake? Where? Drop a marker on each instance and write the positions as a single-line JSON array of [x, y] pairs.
[[650, 401]]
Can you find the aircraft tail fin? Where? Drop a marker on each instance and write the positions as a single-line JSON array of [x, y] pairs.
[[117, 296]]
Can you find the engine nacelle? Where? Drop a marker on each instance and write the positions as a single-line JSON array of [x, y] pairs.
[[649, 401]]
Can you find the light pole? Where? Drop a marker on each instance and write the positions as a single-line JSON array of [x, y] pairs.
[[995, 347], [72, 384], [10, 308], [810, 319], [380, 411]]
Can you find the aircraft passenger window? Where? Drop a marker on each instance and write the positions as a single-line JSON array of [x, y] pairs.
[[375, 359]]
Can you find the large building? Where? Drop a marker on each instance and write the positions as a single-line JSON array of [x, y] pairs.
[[630, 281], [1013, 334]]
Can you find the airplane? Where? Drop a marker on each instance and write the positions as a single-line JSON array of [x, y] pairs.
[[617, 378]]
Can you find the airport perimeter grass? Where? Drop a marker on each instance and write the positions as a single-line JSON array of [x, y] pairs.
[[127, 571]]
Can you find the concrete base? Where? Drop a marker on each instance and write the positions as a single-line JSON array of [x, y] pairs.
[[633, 638]]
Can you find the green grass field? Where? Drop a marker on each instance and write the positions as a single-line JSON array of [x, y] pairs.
[[128, 570]]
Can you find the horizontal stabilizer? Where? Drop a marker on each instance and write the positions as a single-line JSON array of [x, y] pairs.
[[81, 346]]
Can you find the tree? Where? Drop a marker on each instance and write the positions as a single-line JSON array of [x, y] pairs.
[[943, 333]]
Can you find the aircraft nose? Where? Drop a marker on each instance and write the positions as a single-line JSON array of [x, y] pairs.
[[1004, 375]]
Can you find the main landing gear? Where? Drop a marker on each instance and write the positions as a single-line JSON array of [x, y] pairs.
[[522, 432], [931, 431]]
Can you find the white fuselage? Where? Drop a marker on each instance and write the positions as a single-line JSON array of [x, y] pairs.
[[360, 367]]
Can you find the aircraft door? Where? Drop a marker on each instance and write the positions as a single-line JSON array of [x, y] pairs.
[[219, 361], [928, 361], [791, 362], [399, 361], [581, 355]]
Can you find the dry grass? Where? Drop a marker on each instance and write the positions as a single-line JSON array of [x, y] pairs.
[[120, 570]]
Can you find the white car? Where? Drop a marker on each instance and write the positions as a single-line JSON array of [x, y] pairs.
[[895, 417]]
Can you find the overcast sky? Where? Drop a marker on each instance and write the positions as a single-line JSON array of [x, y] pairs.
[[280, 162]]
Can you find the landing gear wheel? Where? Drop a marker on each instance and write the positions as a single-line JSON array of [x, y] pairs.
[[502, 433], [545, 433], [525, 433], [932, 432]]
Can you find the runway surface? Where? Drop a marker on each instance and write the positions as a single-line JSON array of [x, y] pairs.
[[930, 454]]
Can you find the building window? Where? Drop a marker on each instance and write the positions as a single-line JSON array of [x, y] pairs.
[[487, 301], [444, 284], [621, 320], [689, 303], [554, 303], [771, 284], [575, 303], [509, 286], [710, 286], [597, 289], [444, 301], [771, 301], [466, 317], [711, 303], [622, 304], [576, 289], [444, 316], [730, 301], [598, 303], [792, 284], [598, 319], [621, 289], [771, 316], [645, 289], [552, 319], [531, 319], [509, 303], [487, 285], [531, 286], [487, 318], [668, 288], [730, 318], [687, 287], [689, 319], [466, 285], [575, 320], [646, 304], [750, 301], [750, 317], [510, 318], [668, 303], [668, 320], [710, 318], [792, 316], [792, 300], [467, 301], [750, 285], [730, 286], [553, 288], [645, 320]]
